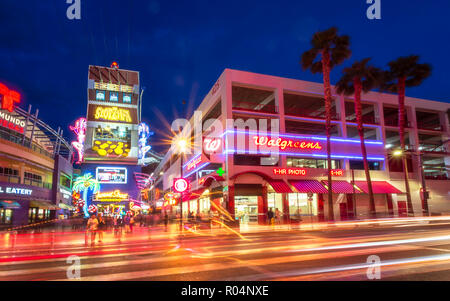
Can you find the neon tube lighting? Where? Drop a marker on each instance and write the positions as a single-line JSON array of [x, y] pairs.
[[195, 170], [188, 162], [323, 138], [244, 152]]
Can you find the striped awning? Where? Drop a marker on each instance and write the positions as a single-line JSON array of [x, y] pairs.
[[377, 187], [342, 187], [280, 186], [43, 205], [305, 186], [193, 195]]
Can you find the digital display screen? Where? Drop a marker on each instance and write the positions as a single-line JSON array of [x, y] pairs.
[[100, 95], [114, 96], [126, 98], [111, 175]]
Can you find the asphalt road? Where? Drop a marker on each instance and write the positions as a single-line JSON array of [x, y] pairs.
[[411, 250]]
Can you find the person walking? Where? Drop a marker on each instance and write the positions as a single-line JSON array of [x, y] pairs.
[[270, 216], [131, 223], [126, 221], [92, 226], [166, 220], [277, 216], [101, 227]]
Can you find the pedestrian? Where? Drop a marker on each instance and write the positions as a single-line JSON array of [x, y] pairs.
[[126, 221], [92, 226], [277, 216], [131, 223], [101, 227], [166, 220], [270, 216], [118, 224]]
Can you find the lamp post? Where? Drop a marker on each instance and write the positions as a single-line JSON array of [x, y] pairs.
[[400, 153], [182, 144]]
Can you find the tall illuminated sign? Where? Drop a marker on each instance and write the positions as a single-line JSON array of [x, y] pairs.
[[113, 114], [9, 98], [144, 133], [80, 130], [84, 184]]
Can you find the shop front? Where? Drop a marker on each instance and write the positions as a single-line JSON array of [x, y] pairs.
[[24, 204]]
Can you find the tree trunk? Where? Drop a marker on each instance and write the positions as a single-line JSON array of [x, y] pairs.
[[358, 112], [401, 125], [327, 92]]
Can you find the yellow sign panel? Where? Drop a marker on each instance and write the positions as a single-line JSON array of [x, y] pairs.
[[115, 195], [114, 87], [112, 114]]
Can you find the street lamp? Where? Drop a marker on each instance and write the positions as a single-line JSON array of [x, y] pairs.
[[182, 146], [400, 153]]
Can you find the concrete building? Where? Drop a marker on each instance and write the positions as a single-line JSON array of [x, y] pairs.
[[261, 169]]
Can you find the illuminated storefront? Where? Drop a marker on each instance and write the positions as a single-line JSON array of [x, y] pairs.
[[271, 152], [35, 166]]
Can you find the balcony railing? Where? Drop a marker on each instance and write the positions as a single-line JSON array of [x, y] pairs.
[[18, 140], [430, 127], [301, 112], [37, 183], [365, 119], [254, 107], [394, 122], [432, 148]]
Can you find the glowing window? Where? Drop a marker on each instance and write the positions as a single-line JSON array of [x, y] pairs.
[[100, 95], [113, 96], [126, 98]]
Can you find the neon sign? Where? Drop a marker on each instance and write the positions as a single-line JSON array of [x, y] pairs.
[[337, 172], [180, 185], [9, 98], [116, 194], [290, 171], [8, 121], [80, 130], [112, 114], [193, 163], [113, 87], [285, 143], [211, 145], [111, 175], [144, 133]]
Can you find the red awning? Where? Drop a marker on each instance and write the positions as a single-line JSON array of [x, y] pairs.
[[207, 180], [280, 186], [342, 187], [304, 186], [377, 187], [193, 195]]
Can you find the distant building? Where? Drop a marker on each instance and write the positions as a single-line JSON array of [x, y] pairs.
[[35, 168]]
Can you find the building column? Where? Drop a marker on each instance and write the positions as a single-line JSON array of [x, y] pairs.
[[231, 206], [286, 216], [262, 207]]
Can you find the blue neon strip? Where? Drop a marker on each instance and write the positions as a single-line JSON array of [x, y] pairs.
[[195, 170], [243, 152], [187, 163], [322, 138]]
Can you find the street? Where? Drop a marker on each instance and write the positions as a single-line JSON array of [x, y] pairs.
[[408, 249]]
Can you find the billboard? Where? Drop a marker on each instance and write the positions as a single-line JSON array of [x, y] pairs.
[[111, 175]]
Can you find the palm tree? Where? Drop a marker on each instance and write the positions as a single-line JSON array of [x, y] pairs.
[[405, 72], [84, 184], [332, 50], [357, 79]]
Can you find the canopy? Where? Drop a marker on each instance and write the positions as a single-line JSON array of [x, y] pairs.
[[342, 187], [305, 186], [43, 205], [377, 187], [280, 186], [65, 206]]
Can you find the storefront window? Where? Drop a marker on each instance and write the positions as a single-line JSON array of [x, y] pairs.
[[275, 201], [6, 216], [205, 205], [312, 163], [246, 209], [299, 205]]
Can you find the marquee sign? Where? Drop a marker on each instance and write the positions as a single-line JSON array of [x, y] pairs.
[[9, 98], [111, 175], [115, 195], [15, 190], [113, 114], [283, 143]]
